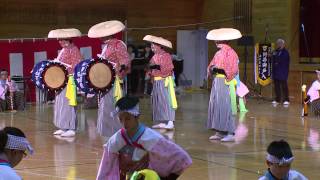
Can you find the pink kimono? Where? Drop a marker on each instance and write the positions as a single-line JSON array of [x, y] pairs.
[[227, 59], [70, 55], [148, 150], [163, 59], [116, 51]]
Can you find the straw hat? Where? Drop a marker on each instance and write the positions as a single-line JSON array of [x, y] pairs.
[[64, 33], [223, 34], [158, 40], [104, 29]]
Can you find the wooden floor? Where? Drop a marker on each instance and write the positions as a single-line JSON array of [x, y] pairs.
[[78, 158]]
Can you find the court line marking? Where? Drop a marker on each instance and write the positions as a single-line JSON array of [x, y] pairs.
[[53, 166], [45, 175]]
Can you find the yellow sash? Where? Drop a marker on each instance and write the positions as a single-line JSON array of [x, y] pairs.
[[71, 92], [232, 91], [169, 84], [117, 90], [220, 76]]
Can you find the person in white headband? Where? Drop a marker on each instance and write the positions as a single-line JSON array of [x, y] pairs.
[[136, 147], [279, 159], [14, 146]]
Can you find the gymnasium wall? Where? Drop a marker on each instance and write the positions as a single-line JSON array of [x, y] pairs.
[[146, 13], [34, 18]]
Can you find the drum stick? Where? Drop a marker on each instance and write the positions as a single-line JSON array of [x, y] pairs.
[[305, 105], [65, 64]]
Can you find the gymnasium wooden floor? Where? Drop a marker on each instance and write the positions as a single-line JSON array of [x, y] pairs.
[[78, 159]]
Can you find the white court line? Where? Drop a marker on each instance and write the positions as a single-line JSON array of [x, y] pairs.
[[45, 175], [58, 160]]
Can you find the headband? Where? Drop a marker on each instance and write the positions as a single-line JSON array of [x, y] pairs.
[[135, 111], [18, 143], [276, 160]]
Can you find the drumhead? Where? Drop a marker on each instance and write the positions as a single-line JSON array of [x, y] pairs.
[[100, 75], [55, 77]]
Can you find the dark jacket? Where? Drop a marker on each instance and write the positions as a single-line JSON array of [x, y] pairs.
[[280, 64]]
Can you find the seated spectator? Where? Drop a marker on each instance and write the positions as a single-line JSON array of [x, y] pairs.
[[131, 52], [10, 96]]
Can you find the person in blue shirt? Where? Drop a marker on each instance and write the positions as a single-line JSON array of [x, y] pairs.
[[280, 72], [14, 146]]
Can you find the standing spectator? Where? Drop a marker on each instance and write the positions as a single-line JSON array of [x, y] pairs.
[[280, 72], [148, 53], [134, 74], [178, 68], [131, 52]]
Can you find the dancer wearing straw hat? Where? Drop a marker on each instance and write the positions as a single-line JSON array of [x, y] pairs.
[[65, 114], [164, 101], [114, 51], [223, 68]]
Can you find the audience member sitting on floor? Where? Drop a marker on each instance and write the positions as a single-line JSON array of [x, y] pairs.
[[9, 93], [13, 147], [279, 159]]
